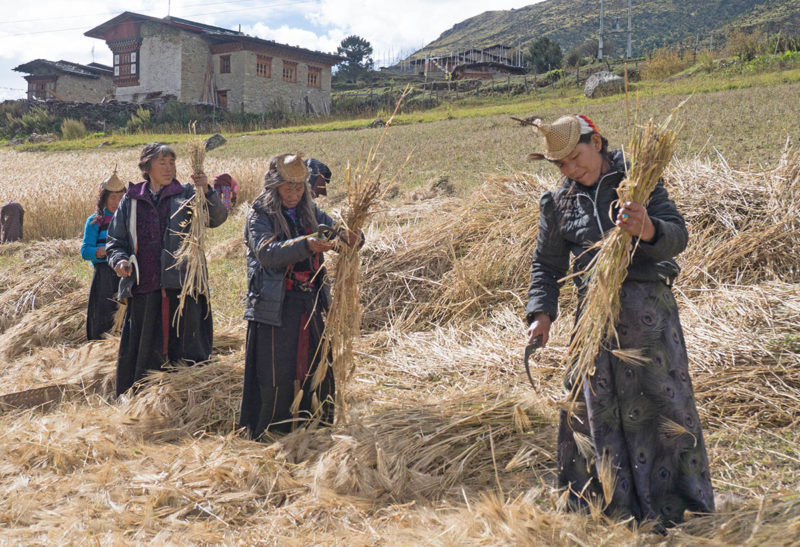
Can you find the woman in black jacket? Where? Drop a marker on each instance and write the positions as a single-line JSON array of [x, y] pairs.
[[640, 417], [286, 300]]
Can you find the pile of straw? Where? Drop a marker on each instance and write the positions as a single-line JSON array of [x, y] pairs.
[[460, 262], [745, 226], [60, 322], [649, 152]]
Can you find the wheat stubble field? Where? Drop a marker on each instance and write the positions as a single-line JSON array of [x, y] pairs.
[[447, 444]]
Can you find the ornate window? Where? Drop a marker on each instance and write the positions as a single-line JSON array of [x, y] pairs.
[[224, 64], [314, 76], [289, 72], [264, 66], [127, 66]]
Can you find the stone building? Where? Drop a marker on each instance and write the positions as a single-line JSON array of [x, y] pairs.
[[68, 81], [200, 63]]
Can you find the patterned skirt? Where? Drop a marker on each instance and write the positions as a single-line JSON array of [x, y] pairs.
[[636, 425]]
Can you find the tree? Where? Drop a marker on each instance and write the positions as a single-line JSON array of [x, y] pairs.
[[358, 53], [544, 54], [573, 58]]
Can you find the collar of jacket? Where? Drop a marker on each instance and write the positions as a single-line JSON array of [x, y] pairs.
[[139, 191]]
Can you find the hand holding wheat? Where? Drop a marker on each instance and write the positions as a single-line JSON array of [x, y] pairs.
[[200, 181]]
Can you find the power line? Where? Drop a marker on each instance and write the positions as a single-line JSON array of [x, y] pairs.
[[107, 12], [268, 5]]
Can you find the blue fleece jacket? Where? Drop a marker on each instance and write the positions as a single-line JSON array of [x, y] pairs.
[[94, 237]]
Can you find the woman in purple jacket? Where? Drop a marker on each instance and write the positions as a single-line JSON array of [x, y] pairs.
[[149, 225]]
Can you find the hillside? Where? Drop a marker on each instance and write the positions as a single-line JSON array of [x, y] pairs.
[[656, 23]]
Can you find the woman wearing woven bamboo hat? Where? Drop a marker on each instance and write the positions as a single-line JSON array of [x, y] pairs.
[[639, 417], [286, 300], [102, 303]]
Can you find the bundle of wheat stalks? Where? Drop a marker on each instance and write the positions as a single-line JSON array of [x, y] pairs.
[[343, 324], [650, 150], [191, 254]]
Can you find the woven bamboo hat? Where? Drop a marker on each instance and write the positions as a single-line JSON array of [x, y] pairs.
[[291, 167], [112, 183], [561, 137]]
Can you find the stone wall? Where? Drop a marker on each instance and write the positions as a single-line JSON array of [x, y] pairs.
[[270, 94], [77, 88], [233, 82], [195, 57], [160, 63]]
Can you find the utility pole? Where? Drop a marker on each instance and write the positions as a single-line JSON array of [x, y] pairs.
[[600, 39], [629, 30]]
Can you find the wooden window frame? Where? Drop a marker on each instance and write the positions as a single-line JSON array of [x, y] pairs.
[[126, 68], [224, 64], [314, 77], [290, 72], [263, 66]]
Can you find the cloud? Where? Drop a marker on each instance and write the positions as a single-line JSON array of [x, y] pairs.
[[294, 36], [53, 29]]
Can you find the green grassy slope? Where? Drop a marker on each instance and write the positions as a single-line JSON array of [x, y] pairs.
[[656, 22]]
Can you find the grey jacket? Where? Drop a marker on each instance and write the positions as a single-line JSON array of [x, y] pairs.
[[574, 217], [267, 260], [120, 246]]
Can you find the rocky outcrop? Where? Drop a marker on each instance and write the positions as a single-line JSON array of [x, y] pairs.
[[603, 83]]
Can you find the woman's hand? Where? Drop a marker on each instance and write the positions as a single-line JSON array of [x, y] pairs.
[[319, 245], [100, 252], [540, 327], [201, 181], [123, 268], [634, 220]]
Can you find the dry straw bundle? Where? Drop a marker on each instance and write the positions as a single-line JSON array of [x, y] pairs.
[[650, 151], [453, 267], [343, 324], [191, 253]]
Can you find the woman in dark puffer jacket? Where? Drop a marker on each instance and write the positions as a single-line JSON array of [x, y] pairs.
[[643, 417], [287, 298]]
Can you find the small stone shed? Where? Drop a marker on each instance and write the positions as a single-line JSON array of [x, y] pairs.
[[67, 81]]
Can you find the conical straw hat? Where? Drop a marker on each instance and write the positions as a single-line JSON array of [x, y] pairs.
[[112, 183], [560, 138]]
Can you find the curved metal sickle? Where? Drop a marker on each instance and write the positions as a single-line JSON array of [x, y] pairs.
[[529, 350]]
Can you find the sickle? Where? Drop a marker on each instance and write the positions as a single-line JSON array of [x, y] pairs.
[[529, 350]]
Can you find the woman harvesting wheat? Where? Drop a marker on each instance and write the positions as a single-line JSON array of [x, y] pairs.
[[633, 443], [287, 298], [143, 240], [102, 294]]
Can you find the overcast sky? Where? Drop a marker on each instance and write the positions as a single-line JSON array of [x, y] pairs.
[[53, 29]]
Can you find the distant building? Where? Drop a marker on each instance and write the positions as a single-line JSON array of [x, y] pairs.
[[497, 55], [68, 81], [484, 71], [200, 63]]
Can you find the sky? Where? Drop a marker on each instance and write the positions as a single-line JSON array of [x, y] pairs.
[[53, 29]]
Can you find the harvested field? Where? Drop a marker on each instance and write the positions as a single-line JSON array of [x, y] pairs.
[[446, 443]]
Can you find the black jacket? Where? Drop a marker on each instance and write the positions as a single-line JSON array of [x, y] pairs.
[[267, 260], [572, 218]]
